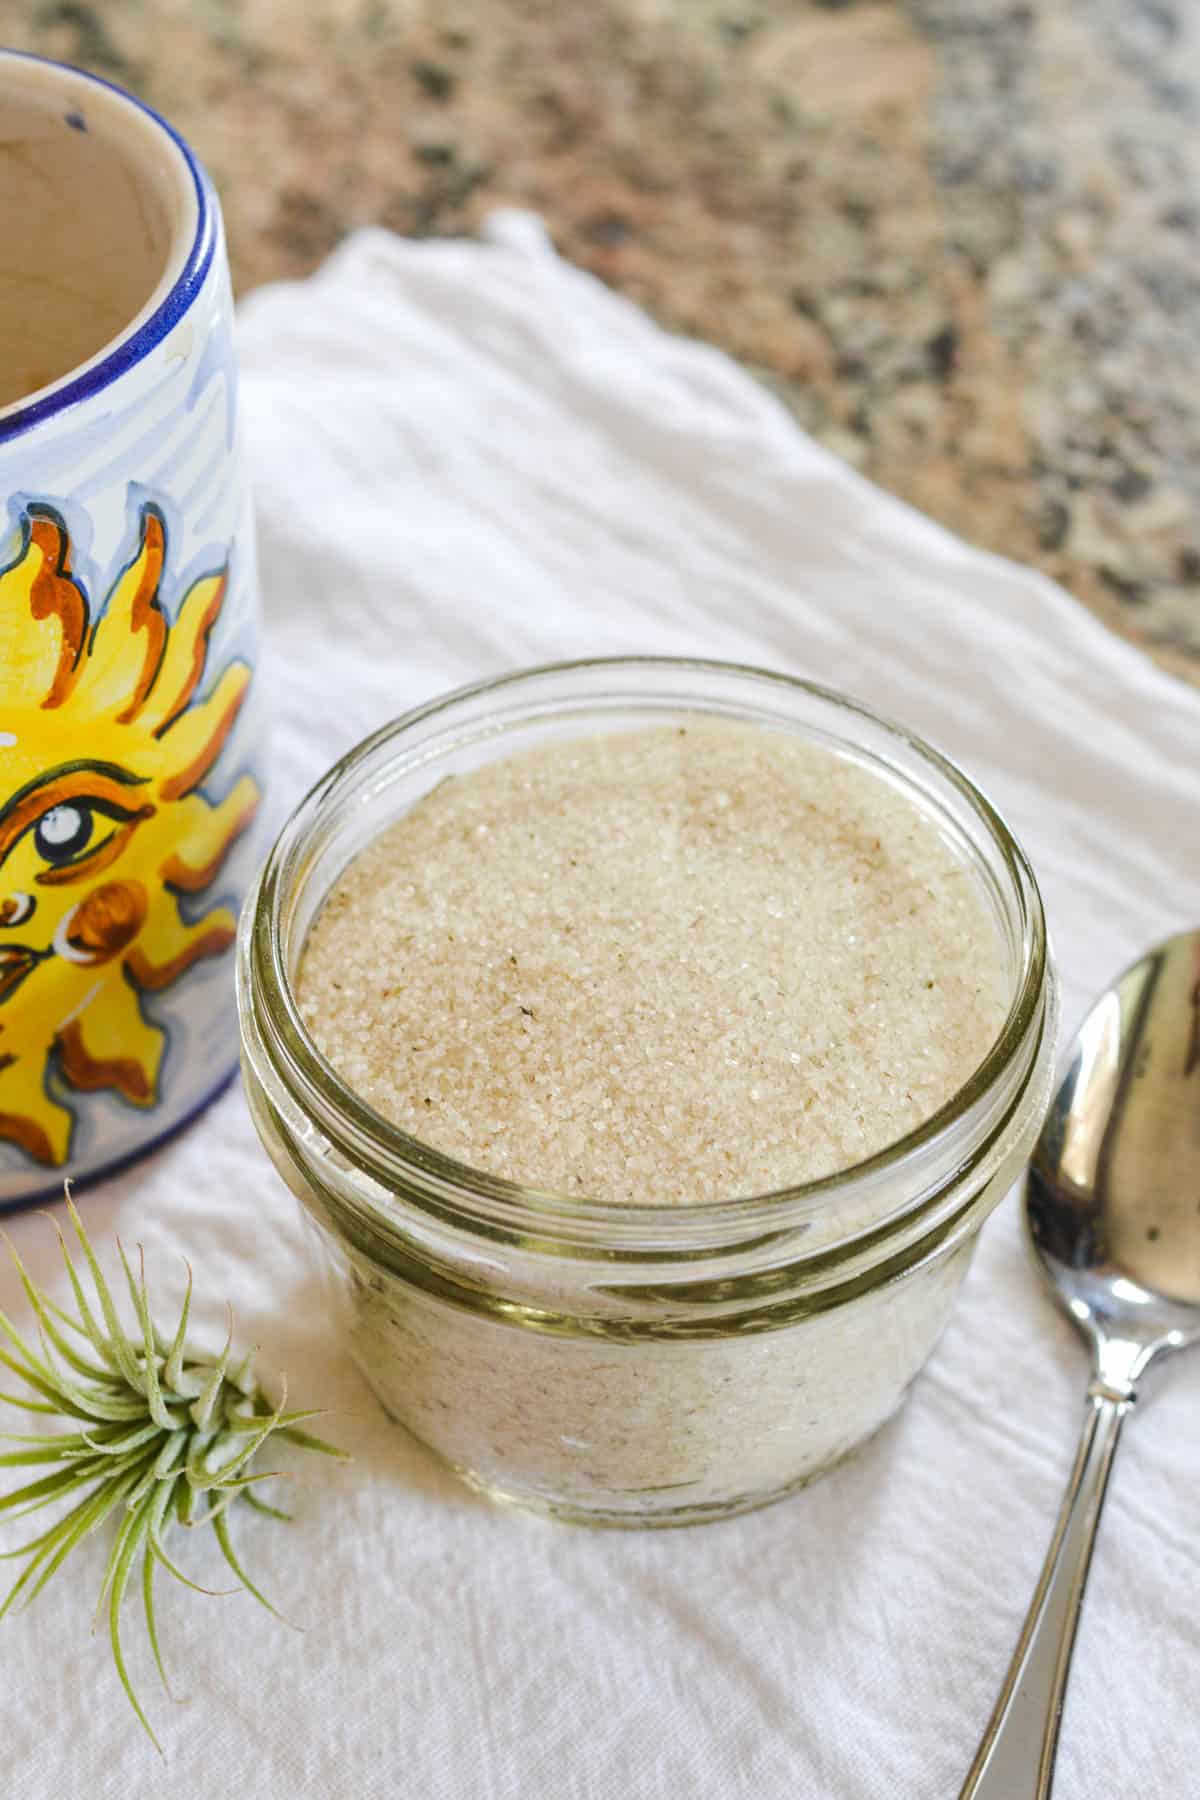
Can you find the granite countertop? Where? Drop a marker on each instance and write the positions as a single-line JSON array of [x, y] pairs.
[[961, 238]]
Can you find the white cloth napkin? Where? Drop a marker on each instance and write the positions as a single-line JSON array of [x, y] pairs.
[[470, 456]]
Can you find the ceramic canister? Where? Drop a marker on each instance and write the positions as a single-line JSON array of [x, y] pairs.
[[129, 780]]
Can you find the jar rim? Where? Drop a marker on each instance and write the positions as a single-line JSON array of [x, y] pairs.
[[457, 1189]]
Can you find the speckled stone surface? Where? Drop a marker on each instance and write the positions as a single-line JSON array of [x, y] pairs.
[[960, 237]]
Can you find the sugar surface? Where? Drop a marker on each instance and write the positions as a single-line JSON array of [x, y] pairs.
[[665, 965]]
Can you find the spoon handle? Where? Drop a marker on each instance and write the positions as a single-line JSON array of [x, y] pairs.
[[1015, 1761]]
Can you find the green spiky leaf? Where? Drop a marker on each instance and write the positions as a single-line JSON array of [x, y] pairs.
[[154, 1427]]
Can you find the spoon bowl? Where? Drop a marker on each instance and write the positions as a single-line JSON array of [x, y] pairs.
[[1113, 1192], [1113, 1208]]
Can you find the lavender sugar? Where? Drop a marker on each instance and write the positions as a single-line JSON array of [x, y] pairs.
[[664, 966], [667, 965]]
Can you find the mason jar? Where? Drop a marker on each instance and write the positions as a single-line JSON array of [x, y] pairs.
[[634, 1363]]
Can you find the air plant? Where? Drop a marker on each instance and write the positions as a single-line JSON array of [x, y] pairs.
[[162, 1436]]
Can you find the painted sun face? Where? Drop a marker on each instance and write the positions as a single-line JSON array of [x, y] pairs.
[[103, 827]]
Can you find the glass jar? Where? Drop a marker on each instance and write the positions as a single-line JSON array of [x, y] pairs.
[[607, 1362]]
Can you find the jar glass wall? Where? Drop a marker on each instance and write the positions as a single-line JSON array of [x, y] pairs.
[[634, 1363]]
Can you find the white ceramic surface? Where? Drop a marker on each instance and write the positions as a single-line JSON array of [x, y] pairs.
[[128, 774]]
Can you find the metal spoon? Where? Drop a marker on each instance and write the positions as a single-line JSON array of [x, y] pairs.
[[1113, 1207]]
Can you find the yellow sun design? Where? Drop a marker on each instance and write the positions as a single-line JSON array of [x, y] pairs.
[[102, 824]]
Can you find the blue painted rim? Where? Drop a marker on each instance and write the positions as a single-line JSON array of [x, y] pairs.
[[128, 350], [44, 1196]]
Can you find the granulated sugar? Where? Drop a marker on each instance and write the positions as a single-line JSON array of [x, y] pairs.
[[665, 965]]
